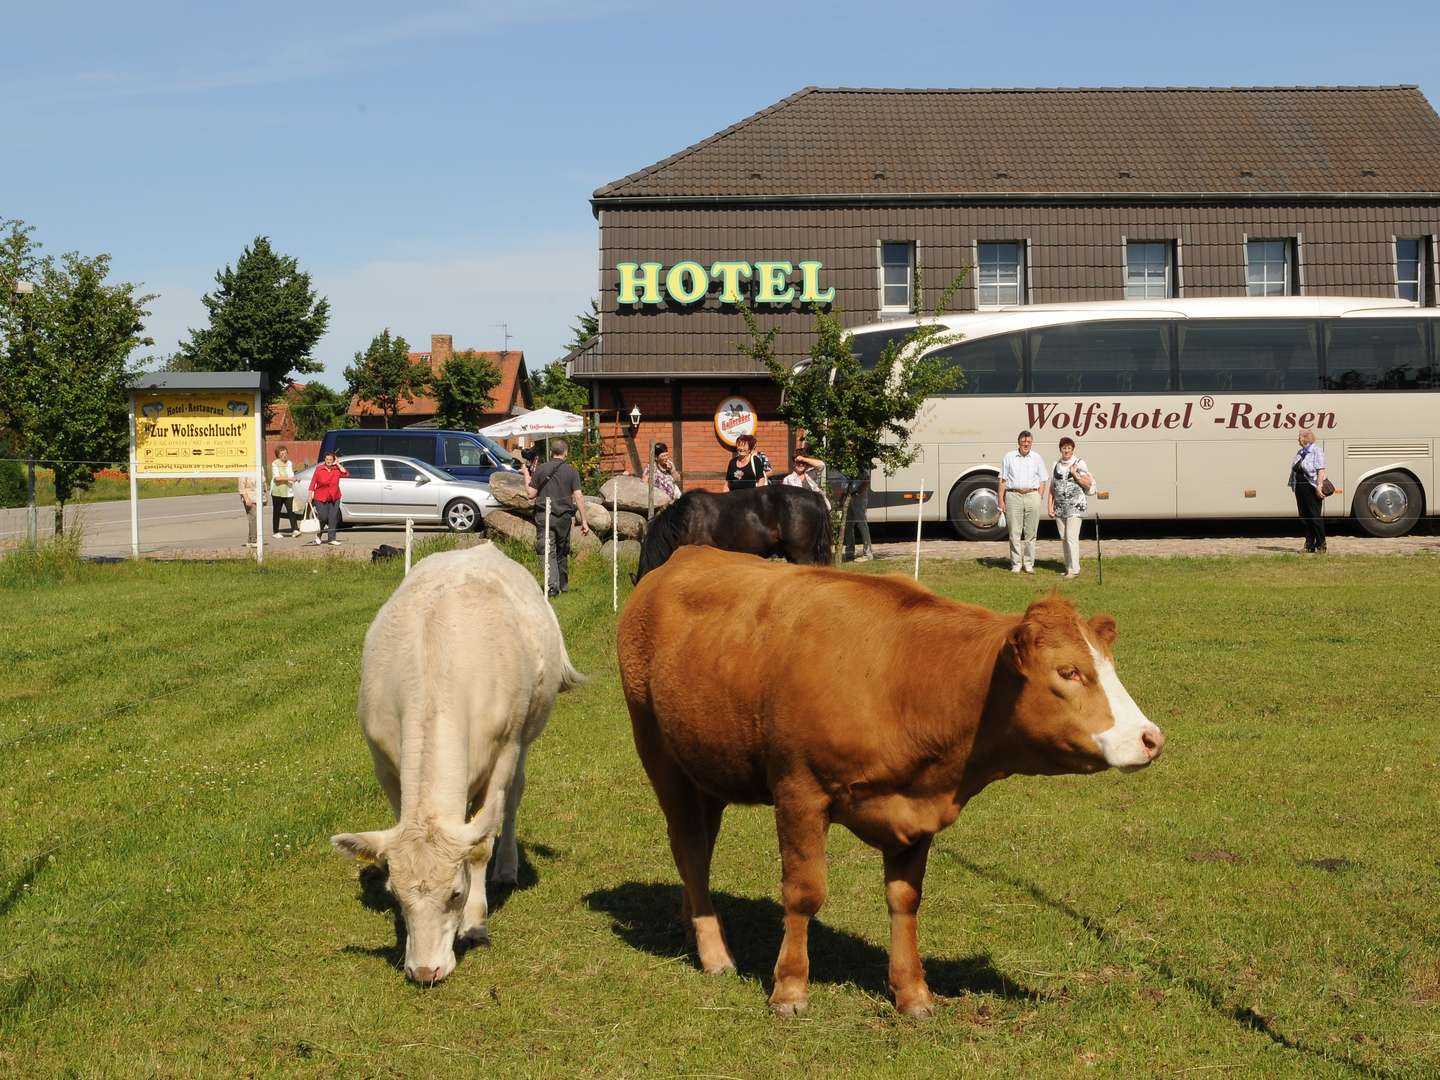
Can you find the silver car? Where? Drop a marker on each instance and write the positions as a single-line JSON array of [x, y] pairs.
[[384, 488]]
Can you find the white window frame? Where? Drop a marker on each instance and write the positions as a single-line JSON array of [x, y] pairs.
[[1287, 281], [1168, 281], [1419, 281], [1020, 283], [909, 306]]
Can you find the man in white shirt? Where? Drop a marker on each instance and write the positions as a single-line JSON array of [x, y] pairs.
[[1022, 494]]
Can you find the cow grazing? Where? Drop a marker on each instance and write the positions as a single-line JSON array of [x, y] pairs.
[[461, 668], [890, 709]]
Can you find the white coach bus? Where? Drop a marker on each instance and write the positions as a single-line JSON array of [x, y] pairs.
[[1183, 408]]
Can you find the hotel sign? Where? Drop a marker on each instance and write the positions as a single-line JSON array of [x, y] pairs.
[[690, 282]]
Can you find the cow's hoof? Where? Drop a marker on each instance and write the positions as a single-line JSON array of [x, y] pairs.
[[918, 1010], [727, 968], [476, 935], [789, 1009]]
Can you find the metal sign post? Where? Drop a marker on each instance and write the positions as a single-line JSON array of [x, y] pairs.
[[134, 491], [260, 484]]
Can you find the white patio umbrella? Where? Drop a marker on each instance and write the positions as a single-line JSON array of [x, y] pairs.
[[536, 424]]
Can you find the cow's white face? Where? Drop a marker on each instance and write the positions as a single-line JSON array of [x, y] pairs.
[[1072, 710], [430, 875]]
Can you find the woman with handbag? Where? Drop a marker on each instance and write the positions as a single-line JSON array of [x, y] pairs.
[[325, 496], [1070, 482], [1307, 478], [748, 467]]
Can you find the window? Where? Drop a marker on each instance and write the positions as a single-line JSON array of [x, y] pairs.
[[465, 452], [1271, 271], [356, 442], [1101, 358], [1412, 271], [869, 348], [400, 472], [1001, 279], [991, 365], [1376, 354], [897, 276], [1148, 270], [416, 446], [361, 468], [1238, 355]]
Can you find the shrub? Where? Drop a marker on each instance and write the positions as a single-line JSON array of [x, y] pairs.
[[13, 489], [45, 562]]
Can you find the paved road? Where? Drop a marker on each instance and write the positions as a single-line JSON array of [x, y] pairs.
[[214, 524]]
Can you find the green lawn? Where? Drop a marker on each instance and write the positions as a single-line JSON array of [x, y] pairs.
[[179, 741], [111, 488]]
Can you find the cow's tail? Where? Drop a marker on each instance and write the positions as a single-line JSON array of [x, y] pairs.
[[570, 678]]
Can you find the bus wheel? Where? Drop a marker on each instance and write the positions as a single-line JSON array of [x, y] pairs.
[[1388, 504], [974, 508]]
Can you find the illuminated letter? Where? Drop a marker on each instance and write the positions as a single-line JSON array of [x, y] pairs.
[[729, 275], [675, 282], [810, 285], [648, 276], [771, 275]]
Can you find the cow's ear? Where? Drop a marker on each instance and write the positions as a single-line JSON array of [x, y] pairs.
[[365, 847], [1103, 627], [1020, 645]]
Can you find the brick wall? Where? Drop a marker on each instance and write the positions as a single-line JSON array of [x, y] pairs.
[[303, 452]]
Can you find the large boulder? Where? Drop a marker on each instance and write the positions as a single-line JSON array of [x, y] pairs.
[[633, 494], [509, 524], [582, 546], [629, 550], [509, 490], [629, 526], [598, 515]]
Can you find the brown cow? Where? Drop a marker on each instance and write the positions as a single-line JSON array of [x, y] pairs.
[[892, 707]]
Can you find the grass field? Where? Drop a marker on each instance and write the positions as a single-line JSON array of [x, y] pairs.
[[179, 741]]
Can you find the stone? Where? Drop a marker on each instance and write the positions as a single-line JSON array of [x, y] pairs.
[[629, 550], [598, 515], [632, 494], [509, 524], [582, 546], [628, 526], [509, 490]]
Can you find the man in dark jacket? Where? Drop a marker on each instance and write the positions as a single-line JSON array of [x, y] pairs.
[[558, 481]]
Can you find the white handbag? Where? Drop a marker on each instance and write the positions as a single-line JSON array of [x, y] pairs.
[[310, 523]]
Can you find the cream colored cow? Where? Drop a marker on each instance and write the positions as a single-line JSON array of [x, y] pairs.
[[461, 668]]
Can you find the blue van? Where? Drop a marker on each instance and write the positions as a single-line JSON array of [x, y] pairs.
[[466, 455]]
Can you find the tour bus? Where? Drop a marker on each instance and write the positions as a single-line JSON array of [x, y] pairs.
[[1182, 408]]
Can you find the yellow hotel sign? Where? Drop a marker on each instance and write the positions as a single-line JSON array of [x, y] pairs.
[[185, 433]]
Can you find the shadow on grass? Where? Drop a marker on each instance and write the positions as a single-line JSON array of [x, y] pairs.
[[29, 870], [375, 896], [1238, 1012], [645, 916]]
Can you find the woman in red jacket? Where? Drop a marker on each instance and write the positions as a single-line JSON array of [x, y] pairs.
[[325, 494]]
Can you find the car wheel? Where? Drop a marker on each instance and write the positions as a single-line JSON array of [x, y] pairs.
[[974, 508], [462, 516], [1388, 504]]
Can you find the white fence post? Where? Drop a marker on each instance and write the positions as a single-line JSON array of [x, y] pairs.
[[547, 547], [409, 542], [615, 551], [919, 521]]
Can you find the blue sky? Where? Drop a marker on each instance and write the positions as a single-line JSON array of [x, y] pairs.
[[431, 164]]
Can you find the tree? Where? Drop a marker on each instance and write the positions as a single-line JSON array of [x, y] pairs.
[[553, 387], [64, 359], [857, 418], [264, 316], [384, 375], [587, 328], [462, 390], [318, 409]]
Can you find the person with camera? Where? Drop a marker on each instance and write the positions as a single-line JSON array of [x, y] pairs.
[[748, 467], [666, 478], [1070, 482], [558, 481], [1307, 479]]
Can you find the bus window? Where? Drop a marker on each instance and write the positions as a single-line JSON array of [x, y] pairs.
[[868, 347], [1376, 354], [1234, 356], [1101, 358], [991, 365]]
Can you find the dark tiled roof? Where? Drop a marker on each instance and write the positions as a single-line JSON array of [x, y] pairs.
[[1113, 141]]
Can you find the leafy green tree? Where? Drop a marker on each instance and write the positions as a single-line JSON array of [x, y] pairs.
[[65, 359], [264, 316], [462, 390], [857, 418], [552, 387], [587, 327], [318, 409], [384, 375]]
